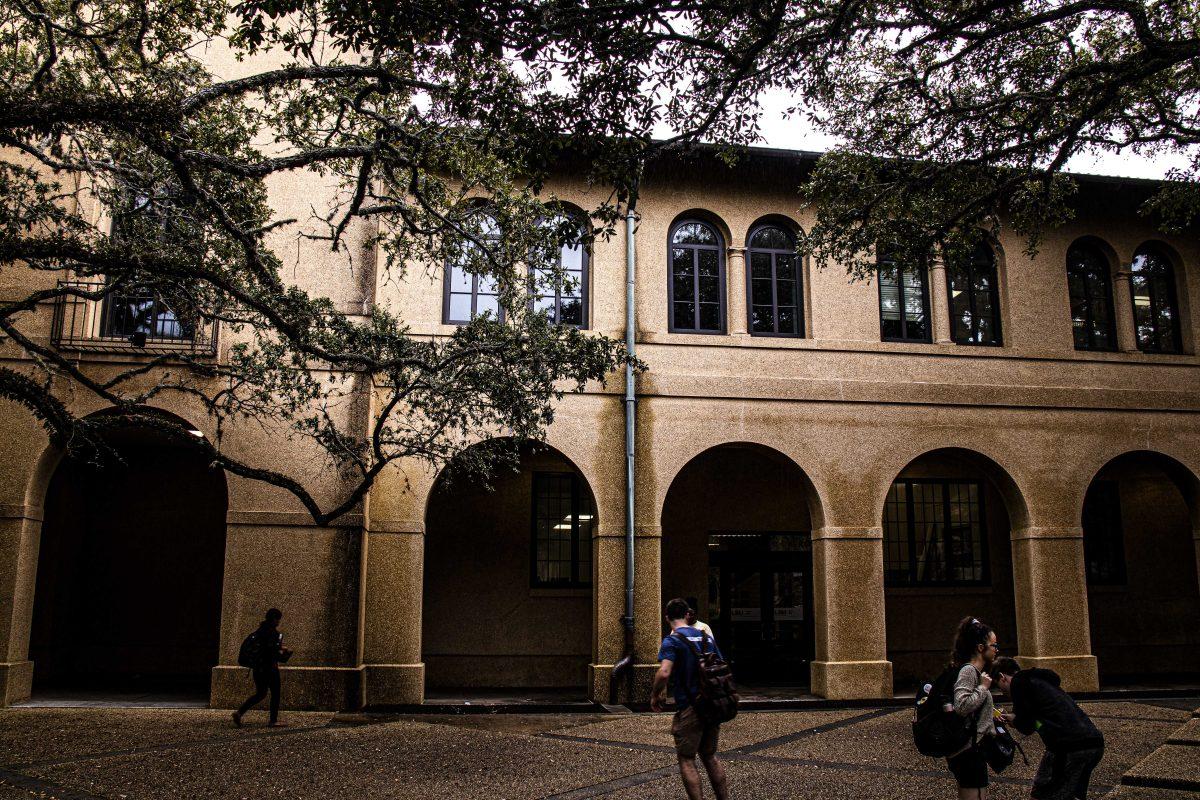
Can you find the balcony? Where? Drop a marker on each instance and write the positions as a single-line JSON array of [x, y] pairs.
[[129, 322]]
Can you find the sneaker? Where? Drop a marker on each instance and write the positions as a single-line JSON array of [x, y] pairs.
[[237, 719]]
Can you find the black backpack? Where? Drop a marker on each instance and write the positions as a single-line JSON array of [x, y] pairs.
[[717, 699], [250, 653], [939, 732]]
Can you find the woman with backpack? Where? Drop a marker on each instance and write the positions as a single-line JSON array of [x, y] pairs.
[[975, 649]]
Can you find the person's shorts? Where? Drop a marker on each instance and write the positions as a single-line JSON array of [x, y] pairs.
[[1062, 776], [692, 736], [969, 768]]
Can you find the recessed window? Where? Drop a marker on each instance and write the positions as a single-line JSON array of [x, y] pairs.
[[776, 308], [468, 295], [903, 301], [1091, 298], [562, 530], [1103, 537], [1155, 307], [933, 533], [697, 279], [974, 298], [564, 300]]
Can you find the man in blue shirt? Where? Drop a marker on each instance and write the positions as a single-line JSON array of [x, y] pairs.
[[693, 736]]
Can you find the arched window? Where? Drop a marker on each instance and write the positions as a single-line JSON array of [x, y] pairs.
[[564, 301], [774, 282], [1155, 310], [903, 300], [974, 298], [697, 283], [468, 295], [1091, 298]]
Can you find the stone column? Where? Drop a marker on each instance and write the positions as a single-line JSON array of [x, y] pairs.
[[736, 309], [20, 536], [1052, 605], [393, 584], [939, 301], [851, 632], [1123, 312]]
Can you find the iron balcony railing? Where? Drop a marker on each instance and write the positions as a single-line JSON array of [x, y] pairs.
[[127, 322]]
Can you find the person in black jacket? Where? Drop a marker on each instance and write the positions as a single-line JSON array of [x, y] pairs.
[[1074, 746], [270, 653]]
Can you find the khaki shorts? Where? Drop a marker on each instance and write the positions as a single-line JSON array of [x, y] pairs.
[[692, 736]]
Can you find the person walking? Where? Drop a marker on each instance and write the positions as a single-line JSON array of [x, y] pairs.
[[693, 610], [693, 736], [975, 648], [266, 654], [1074, 745]]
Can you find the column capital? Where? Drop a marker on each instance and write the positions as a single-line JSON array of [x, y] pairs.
[[1046, 533], [832, 532], [737, 252]]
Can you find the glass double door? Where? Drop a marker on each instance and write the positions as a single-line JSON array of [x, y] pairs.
[[761, 600]]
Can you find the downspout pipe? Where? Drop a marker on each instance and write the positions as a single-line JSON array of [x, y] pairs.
[[625, 665]]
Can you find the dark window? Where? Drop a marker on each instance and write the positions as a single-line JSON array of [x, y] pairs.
[[141, 314], [562, 530], [1155, 311], [1091, 299], [1103, 538], [697, 284], [565, 302], [903, 301], [933, 533], [468, 295], [773, 280], [974, 298]]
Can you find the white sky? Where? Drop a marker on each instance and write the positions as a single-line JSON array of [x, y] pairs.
[[797, 134]]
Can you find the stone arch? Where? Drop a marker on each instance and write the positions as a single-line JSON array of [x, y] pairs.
[[947, 520], [1139, 516], [737, 521], [503, 545], [703, 215], [130, 565]]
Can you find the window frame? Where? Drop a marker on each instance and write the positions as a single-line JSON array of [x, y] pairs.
[[972, 263], [985, 572], [577, 503], [720, 248], [584, 281], [1105, 274], [923, 271], [797, 279], [448, 281], [1172, 299]]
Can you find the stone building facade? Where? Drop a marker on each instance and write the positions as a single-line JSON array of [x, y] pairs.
[[837, 470]]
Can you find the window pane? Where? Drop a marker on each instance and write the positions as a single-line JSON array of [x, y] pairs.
[[773, 238], [572, 311], [710, 316], [760, 292], [487, 302], [684, 287], [709, 263], [710, 289], [787, 319], [762, 318], [760, 265], [460, 279], [460, 307], [785, 293], [694, 233], [685, 316]]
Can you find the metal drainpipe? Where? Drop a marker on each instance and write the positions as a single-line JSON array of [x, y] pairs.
[[625, 665]]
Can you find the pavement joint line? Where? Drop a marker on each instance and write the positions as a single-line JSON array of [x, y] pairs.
[[766, 744], [616, 784], [1150, 782], [45, 788], [1150, 720], [154, 748]]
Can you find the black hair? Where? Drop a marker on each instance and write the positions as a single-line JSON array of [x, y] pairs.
[[1005, 666], [274, 614], [677, 608], [693, 604], [970, 634]]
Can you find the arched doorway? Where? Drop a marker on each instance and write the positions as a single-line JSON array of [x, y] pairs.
[[508, 577], [130, 566], [1143, 597], [946, 555], [737, 536]]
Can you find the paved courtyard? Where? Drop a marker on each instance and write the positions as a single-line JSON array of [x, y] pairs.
[[81, 753]]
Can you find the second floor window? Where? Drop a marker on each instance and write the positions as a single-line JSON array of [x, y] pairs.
[[697, 279], [775, 291], [903, 301], [933, 533], [1091, 299], [467, 295], [974, 298], [562, 530], [565, 302], [1155, 308]]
